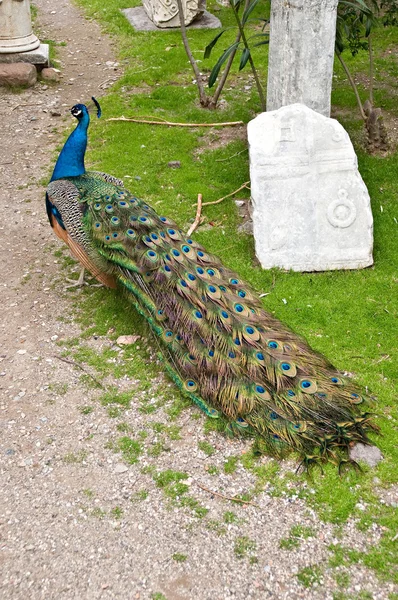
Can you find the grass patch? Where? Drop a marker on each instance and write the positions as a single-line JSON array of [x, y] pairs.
[[173, 488], [75, 458], [207, 448], [139, 496], [86, 410], [310, 575], [231, 464], [213, 470], [131, 449], [244, 547], [179, 557], [296, 535], [230, 517]]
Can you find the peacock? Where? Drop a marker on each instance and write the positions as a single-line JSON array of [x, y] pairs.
[[221, 348]]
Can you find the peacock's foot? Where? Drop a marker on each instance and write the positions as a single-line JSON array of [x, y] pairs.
[[81, 282]]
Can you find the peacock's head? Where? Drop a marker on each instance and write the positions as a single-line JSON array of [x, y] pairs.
[[81, 110], [78, 111]]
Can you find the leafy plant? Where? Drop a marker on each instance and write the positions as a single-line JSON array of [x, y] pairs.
[[241, 43], [356, 21]]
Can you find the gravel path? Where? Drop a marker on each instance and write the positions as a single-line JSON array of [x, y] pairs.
[[76, 522]]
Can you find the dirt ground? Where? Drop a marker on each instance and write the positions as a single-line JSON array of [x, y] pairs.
[[68, 526]]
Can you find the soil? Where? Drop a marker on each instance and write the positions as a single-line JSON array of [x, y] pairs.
[[70, 525]]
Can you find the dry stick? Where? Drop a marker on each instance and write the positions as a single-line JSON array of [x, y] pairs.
[[232, 156], [227, 196], [172, 124], [197, 218], [28, 104], [202, 94], [233, 499], [353, 85], [371, 70], [75, 364]]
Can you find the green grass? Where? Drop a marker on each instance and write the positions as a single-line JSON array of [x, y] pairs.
[[350, 316], [310, 575], [178, 557], [207, 448], [173, 488], [296, 535], [244, 547], [131, 449]]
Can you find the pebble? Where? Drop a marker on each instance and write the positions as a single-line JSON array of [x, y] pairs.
[[120, 468], [125, 340], [174, 164]]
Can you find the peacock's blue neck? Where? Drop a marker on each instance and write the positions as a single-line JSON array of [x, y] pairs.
[[71, 159]]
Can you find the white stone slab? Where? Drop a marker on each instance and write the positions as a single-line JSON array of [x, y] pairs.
[[311, 208]]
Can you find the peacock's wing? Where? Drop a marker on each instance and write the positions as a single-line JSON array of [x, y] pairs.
[[65, 212], [225, 351]]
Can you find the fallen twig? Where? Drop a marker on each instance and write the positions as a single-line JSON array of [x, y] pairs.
[[232, 156], [244, 185], [75, 364], [27, 104], [172, 124], [233, 499], [109, 80], [198, 216]]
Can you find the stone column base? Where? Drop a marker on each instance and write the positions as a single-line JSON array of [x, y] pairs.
[[21, 44], [39, 56]]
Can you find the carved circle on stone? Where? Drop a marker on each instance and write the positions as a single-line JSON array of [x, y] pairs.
[[341, 212]]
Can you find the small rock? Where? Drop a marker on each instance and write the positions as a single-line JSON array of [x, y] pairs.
[[125, 340], [50, 74], [21, 351], [240, 202], [137, 178], [10, 451], [246, 227], [55, 113], [174, 164], [18, 74], [371, 455], [120, 468]]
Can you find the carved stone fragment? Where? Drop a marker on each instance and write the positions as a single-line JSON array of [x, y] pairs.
[[311, 208], [164, 13]]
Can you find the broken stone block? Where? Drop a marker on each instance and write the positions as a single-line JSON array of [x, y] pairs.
[[140, 20], [311, 208], [164, 13], [18, 74]]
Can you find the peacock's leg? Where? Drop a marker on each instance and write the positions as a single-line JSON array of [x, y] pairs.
[[79, 283]]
